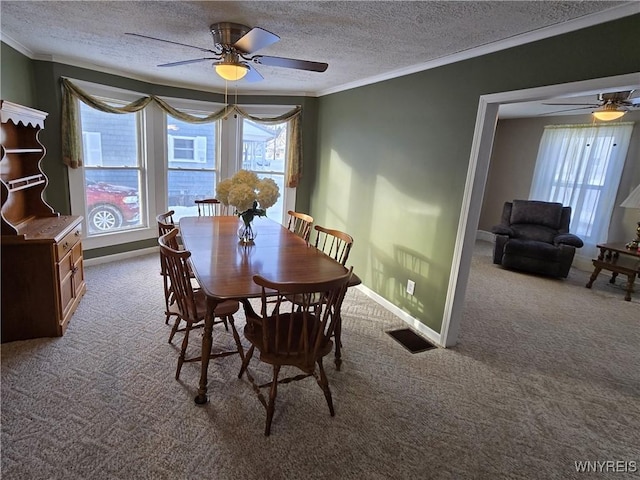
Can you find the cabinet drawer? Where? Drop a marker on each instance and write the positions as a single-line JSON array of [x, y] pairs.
[[68, 242]]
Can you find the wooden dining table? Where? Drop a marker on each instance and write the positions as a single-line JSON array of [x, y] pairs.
[[224, 268]]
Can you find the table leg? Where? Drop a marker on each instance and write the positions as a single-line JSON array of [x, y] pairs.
[[593, 277], [207, 340]]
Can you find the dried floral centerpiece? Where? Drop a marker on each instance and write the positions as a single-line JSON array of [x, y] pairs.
[[250, 196]]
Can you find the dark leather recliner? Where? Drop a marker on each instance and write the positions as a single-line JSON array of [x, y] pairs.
[[534, 237]]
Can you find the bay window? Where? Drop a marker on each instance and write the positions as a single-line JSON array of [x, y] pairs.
[[140, 156]]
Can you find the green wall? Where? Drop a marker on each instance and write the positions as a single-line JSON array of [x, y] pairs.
[[16, 77], [393, 156]]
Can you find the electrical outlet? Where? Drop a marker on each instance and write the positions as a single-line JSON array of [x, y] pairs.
[[411, 285]]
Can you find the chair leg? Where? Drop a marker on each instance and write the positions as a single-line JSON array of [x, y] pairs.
[[183, 350], [324, 385], [176, 325], [245, 362], [337, 335], [272, 400]]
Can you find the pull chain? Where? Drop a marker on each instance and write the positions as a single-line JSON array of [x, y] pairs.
[[236, 100], [226, 102]]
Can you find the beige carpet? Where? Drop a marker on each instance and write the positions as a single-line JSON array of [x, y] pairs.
[[546, 373]]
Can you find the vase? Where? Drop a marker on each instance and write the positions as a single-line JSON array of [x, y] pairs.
[[246, 232]]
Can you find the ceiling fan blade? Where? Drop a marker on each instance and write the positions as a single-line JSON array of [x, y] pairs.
[[171, 41], [567, 110], [290, 63], [574, 104], [253, 75], [186, 62], [255, 39]]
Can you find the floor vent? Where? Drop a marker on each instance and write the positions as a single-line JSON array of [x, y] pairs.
[[411, 340]]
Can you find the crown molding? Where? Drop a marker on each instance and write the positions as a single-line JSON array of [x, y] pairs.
[[16, 45]]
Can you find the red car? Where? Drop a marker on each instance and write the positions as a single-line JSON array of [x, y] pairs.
[[111, 206]]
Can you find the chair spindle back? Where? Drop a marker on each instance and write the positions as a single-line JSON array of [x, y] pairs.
[[300, 224], [211, 207], [334, 243]]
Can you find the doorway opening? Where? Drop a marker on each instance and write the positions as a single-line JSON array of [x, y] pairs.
[[478, 169]]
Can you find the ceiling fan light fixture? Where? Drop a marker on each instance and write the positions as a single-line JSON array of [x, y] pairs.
[[231, 71], [608, 113]]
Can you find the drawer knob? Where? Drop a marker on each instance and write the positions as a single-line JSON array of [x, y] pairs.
[[65, 246]]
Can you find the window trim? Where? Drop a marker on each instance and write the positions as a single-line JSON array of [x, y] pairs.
[[76, 176]]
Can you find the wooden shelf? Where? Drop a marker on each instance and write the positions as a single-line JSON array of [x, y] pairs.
[[25, 182], [23, 150], [42, 263]]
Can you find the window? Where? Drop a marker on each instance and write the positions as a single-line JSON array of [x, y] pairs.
[[187, 149], [136, 165], [264, 151], [580, 166], [192, 164], [113, 171], [226, 146]]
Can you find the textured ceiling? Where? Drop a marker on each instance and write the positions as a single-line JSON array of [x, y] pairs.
[[361, 41]]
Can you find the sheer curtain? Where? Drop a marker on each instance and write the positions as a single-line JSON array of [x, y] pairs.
[[580, 166]]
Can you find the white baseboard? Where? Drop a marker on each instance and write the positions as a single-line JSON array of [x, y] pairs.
[[486, 236], [119, 256], [432, 335]]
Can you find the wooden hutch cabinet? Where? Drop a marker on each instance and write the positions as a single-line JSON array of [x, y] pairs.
[[41, 257]]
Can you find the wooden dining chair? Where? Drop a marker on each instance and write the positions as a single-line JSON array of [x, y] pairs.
[[211, 207], [192, 304], [300, 224], [296, 336], [165, 225], [337, 245], [334, 243]]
